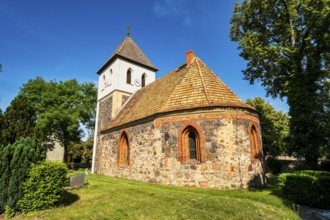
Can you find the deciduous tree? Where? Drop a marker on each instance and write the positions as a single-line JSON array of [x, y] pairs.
[[287, 47], [81, 152], [61, 108]]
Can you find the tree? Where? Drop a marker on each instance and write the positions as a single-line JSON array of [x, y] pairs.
[[19, 120], [1, 128], [286, 44], [81, 152], [61, 107], [274, 127], [15, 162]]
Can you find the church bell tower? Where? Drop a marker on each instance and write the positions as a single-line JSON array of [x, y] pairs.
[[127, 70]]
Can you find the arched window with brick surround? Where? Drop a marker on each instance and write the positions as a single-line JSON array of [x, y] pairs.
[[254, 143], [123, 149], [191, 143]]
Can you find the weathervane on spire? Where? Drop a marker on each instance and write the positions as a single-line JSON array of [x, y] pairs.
[[128, 30]]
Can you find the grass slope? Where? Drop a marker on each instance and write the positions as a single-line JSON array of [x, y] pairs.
[[111, 198]]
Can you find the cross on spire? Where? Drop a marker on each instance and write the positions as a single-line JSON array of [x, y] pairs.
[[128, 31]]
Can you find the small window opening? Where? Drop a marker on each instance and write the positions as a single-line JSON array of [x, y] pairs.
[[129, 76], [143, 80], [192, 146], [110, 76]]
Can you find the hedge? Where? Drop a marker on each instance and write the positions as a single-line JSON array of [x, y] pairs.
[[43, 189], [311, 188]]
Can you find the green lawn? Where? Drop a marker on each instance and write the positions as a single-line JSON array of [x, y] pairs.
[[111, 198]]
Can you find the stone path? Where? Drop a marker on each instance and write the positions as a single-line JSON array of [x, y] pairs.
[[307, 213]]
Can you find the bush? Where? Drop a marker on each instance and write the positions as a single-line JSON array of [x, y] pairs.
[[307, 187], [43, 189], [9, 212], [15, 163], [274, 165]]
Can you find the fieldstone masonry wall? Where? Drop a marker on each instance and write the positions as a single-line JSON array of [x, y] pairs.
[[154, 152], [105, 109]]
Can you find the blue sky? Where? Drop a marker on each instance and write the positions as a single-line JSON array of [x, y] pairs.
[[65, 39]]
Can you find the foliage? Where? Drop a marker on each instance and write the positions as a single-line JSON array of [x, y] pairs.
[[274, 125], [9, 212], [286, 44], [307, 187], [15, 162], [81, 152], [274, 164], [19, 120], [115, 198], [1, 128], [44, 187], [61, 107]]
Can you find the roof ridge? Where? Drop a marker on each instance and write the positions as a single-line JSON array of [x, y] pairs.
[[224, 84], [175, 88], [203, 81], [120, 47]]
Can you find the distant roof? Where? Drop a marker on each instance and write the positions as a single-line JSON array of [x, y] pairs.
[[129, 50], [187, 87]]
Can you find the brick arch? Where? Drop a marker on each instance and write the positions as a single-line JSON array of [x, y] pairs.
[[255, 141], [183, 145], [123, 148]]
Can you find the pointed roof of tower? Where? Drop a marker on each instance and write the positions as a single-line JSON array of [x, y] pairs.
[[191, 86], [130, 51]]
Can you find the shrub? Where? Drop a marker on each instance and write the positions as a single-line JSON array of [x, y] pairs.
[[43, 189], [9, 212], [325, 165], [274, 165], [15, 163], [307, 187]]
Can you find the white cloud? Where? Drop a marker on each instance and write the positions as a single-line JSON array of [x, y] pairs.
[[187, 21], [163, 8]]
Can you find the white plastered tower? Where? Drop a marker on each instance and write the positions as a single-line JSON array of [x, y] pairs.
[[126, 71]]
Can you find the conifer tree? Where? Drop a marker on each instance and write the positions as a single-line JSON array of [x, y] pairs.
[[15, 162]]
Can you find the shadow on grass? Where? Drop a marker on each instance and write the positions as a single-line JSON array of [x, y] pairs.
[[69, 198], [274, 188]]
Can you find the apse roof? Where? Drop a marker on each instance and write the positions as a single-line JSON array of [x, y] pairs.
[[190, 86]]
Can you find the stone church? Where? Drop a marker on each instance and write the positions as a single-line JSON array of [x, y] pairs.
[[186, 128]]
